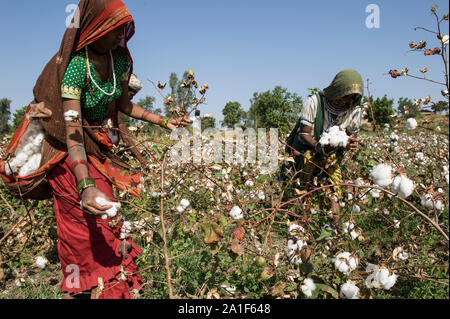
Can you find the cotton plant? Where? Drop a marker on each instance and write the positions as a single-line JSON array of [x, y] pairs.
[[430, 203], [400, 253], [335, 137], [183, 205], [348, 228], [345, 262]]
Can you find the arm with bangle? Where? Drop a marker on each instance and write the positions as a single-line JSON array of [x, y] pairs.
[[86, 188]]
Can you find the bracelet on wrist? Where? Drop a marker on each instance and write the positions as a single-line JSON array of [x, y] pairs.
[[85, 183], [160, 120], [164, 121]]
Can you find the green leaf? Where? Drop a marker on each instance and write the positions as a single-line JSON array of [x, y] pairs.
[[328, 290]]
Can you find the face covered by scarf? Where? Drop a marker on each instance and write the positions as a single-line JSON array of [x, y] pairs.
[[345, 83], [96, 18]]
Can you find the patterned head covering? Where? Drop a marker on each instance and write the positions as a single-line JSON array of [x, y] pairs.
[[346, 82]]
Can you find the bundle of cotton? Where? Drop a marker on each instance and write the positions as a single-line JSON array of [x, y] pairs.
[[402, 186], [112, 212], [28, 153], [411, 123], [335, 137], [381, 175]]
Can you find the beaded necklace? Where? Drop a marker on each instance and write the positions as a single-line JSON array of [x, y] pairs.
[[89, 75]]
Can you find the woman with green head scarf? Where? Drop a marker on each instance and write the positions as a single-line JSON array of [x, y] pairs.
[[336, 105]]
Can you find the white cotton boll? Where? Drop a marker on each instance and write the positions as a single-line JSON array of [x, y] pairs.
[[427, 201], [411, 123], [381, 175], [301, 244], [41, 262], [236, 213], [402, 186], [261, 195], [375, 193], [295, 229], [180, 209], [396, 223], [356, 209], [294, 258], [292, 245], [347, 226], [438, 205], [249, 183], [185, 203], [446, 178], [349, 291], [386, 280], [400, 253], [308, 287], [393, 137], [335, 137], [440, 190], [345, 263], [112, 212], [349, 196], [230, 289], [438, 128], [419, 156], [359, 181], [71, 116]]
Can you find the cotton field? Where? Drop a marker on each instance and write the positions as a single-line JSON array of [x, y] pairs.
[[232, 231]]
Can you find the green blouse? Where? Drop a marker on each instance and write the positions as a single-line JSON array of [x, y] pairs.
[[76, 85]]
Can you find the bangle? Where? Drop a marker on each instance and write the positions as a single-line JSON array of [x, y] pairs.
[[160, 120], [164, 121], [78, 162], [85, 183], [144, 115]]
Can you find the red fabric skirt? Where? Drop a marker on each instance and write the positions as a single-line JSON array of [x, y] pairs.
[[87, 245]]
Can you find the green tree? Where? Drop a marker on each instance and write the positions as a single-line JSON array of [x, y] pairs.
[[440, 106], [18, 117], [406, 108], [5, 113], [233, 114], [382, 110], [208, 122], [275, 109]]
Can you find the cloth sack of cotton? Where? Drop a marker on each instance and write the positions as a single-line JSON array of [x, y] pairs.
[[381, 175], [402, 186], [112, 212], [28, 155], [335, 137]]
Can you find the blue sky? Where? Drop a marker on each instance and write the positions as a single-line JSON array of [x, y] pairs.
[[238, 47]]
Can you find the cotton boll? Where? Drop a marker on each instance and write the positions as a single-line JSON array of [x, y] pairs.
[[236, 213], [381, 175], [411, 123], [375, 193], [385, 279], [31, 166], [261, 195], [294, 257], [71, 116], [356, 209], [345, 263], [185, 203], [41, 262], [396, 223], [295, 230], [249, 183], [349, 291], [354, 235], [292, 245], [427, 201], [402, 186], [308, 287], [347, 226]]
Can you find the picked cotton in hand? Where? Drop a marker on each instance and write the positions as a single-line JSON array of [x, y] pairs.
[[335, 137], [381, 175], [112, 212]]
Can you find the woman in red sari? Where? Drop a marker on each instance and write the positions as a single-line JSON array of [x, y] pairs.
[[78, 85]]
